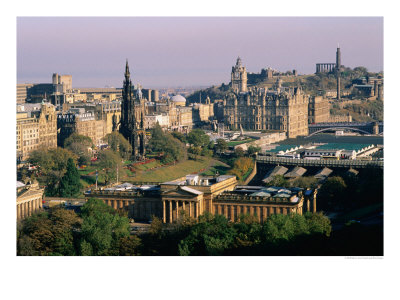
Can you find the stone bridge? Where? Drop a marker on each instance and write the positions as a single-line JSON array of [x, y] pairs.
[[366, 128]]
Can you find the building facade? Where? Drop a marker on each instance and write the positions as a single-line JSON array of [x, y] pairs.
[[260, 109], [318, 110], [79, 121], [29, 199], [36, 128], [194, 195]]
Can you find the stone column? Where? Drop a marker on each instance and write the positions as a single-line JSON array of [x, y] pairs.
[[284, 211], [314, 203], [264, 217], [197, 210], [183, 207], [226, 211], [18, 212], [232, 213], [219, 212], [29, 208], [251, 211], [258, 211], [190, 209], [271, 210], [22, 210], [177, 210], [164, 212], [170, 212]]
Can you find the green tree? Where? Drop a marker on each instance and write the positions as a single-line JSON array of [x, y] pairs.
[[278, 180], [221, 146], [79, 145], [212, 235], [180, 136], [332, 193], [102, 229], [36, 236], [163, 142], [239, 152], [109, 161], [252, 150], [65, 226], [70, 184], [78, 138], [305, 182], [52, 159], [198, 138], [118, 143]]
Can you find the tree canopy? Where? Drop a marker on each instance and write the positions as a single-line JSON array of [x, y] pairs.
[[118, 143], [198, 138], [70, 184], [109, 161], [164, 142]]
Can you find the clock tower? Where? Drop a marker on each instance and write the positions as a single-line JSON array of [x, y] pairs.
[[239, 77]]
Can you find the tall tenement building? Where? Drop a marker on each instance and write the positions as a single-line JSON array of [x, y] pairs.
[[36, 128], [132, 117]]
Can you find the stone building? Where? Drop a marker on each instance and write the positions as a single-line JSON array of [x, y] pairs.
[[64, 80], [151, 120], [260, 109], [109, 112], [22, 92], [79, 121], [29, 199], [36, 128], [318, 110], [193, 195], [203, 112]]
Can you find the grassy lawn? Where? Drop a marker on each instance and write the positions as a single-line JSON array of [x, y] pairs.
[[217, 167], [148, 166], [174, 171]]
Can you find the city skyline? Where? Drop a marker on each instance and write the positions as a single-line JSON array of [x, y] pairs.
[[183, 51]]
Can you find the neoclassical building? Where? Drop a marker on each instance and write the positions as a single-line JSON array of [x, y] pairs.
[[29, 199], [194, 195]]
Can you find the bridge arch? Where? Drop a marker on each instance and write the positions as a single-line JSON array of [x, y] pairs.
[[338, 128]]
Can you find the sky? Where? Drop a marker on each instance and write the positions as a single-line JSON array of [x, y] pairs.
[[188, 51]]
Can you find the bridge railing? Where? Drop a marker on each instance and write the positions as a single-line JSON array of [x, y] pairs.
[[320, 163]]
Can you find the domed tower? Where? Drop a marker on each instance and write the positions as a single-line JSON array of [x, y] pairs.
[[239, 77]]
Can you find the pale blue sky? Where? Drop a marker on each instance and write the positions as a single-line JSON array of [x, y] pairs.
[[168, 51]]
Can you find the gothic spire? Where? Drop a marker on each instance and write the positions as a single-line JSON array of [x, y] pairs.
[[127, 74]]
